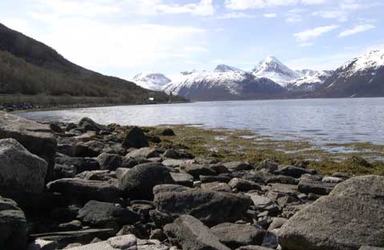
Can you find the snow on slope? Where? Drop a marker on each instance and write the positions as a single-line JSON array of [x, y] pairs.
[[223, 76], [276, 71], [369, 61], [153, 81], [309, 76]]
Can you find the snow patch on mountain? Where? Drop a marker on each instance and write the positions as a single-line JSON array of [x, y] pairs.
[[152, 81], [367, 62]]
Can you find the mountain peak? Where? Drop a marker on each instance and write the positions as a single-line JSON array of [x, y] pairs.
[[225, 68], [369, 61], [153, 81]]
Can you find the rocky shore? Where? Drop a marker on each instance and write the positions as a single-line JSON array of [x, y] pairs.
[[89, 186]]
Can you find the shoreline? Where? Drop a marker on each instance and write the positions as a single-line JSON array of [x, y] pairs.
[[93, 186]]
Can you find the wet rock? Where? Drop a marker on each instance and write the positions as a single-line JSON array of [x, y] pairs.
[[208, 206], [20, 171], [13, 226], [340, 220], [243, 185], [237, 166], [85, 190], [293, 171], [109, 161], [236, 235], [103, 214], [135, 138], [139, 181], [35, 137], [190, 233], [143, 153]]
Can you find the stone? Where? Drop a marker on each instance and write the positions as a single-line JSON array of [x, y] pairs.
[[315, 187], [138, 182], [208, 206], [87, 124], [124, 242], [332, 179], [20, 171], [243, 185], [340, 220], [236, 235], [196, 170], [216, 186], [88, 149], [70, 226], [177, 154], [79, 163], [237, 166], [259, 201], [371, 248], [190, 233], [277, 222], [253, 247], [143, 153], [214, 178], [109, 161], [64, 171], [13, 226], [40, 244], [85, 190], [268, 165], [182, 179], [169, 188], [167, 132], [135, 138], [151, 245], [108, 215], [283, 179], [35, 137], [293, 171]]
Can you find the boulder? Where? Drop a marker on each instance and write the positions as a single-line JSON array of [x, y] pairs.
[[243, 185], [139, 181], [88, 149], [167, 132], [20, 171], [196, 170], [190, 233], [40, 244], [104, 214], [236, 235], [216, 186], [109, 161], [135, 138], [182, 179], [85, 190], [177, 154], [371, 248], [87, 124], [253, 247], [238, 166], [143, 153], [35, 137], [208, 206], [13, 226], [350, 216], [293, 171], [80, 163], [315, 187]]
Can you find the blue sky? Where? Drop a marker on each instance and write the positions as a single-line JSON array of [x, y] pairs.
[[125, 37]]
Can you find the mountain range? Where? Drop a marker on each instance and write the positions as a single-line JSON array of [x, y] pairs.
[[360, 77], [33, 72]]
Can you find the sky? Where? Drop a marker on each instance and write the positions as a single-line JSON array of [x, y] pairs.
[[126, 37]]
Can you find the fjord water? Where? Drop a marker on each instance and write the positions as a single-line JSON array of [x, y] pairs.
[[317, 120]]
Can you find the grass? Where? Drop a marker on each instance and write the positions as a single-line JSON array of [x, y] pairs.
[[241, 145]]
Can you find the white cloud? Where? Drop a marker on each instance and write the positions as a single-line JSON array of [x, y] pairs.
[[236, 15], [338, 14], [357, 29], [311, 34], [203, 8], [258, 4], [270, 15]]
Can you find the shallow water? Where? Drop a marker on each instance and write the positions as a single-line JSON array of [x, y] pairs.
[[320, 121]]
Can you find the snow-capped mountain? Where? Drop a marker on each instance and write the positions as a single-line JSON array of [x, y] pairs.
[[223, 83], [276, 71], [360, 77], [309, 80], [152, 81]]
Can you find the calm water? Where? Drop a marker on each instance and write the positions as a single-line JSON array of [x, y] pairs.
[[318, 120]]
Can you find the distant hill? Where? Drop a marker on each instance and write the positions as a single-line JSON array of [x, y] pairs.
[[29, 68]]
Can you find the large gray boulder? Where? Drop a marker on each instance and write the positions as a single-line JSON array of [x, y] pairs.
[[191, 234], [139, 181], [20, 171], [85, 190], [13, 226], [208, 206], [352, 215], [35, 137]]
